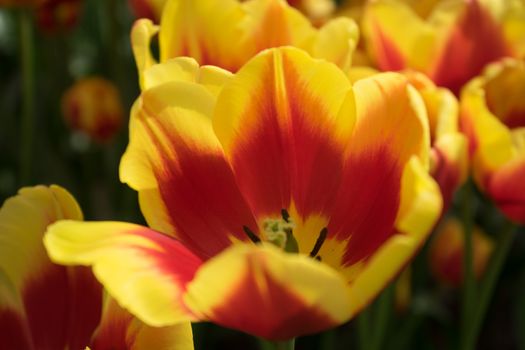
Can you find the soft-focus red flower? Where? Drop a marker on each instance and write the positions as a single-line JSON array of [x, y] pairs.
[[287, 198], [93, 106], [447, 252], [451, 43], [151, 9], [493, 118], [57, 15], [44, 306]]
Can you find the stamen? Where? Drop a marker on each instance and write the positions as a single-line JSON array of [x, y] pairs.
[[285, 215], [252, 236], [319, 242]]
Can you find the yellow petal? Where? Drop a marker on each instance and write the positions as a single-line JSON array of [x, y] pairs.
[[142, 269], [266, 292]]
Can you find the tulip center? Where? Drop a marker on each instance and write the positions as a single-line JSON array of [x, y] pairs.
[[279, 232]]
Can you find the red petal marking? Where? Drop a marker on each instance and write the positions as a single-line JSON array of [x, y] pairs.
[[174, 259], [290, 153], [85, 306], [368, 201], [507, 188], [268, 309], [55, 310], [13, 331], [202, 199], [261, 159], [447, 175], [387, 55], [475, 41], [115, 333]]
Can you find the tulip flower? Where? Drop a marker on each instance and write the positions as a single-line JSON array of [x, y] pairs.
[[227, 33], [151, 9], [451, 44], [448, 158], [47, 306], [55, 15], [447, 249], [93, 106], [280, 199], [493, 118]]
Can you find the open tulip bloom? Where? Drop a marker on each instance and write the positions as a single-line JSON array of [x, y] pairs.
[[280, 199], [44, 306]]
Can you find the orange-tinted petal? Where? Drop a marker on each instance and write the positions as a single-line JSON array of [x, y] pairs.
[[227, 33], [266, 292]]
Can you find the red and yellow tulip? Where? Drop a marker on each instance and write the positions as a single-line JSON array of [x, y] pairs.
[[93, 106], [281, 199], [47, 306], [447, 252], [493, 118], [449, 154], [450, 41], [227, 33]]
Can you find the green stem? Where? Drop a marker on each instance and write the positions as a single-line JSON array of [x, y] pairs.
[[469, 283], [382, 317], [278, 345], [487, 286], [28, 95], [363, 329]]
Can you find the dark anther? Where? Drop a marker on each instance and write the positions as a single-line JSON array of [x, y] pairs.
[[251, 235], [285, 215], [318, 258], [319, 242]]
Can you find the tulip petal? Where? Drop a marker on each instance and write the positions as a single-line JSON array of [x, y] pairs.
[[185, 69], [507, 188], [283, 121], [119, 329], [141, 35], [145, 271], [420, 208], [39, 288], [207, 30], [395, 46], [227, 33], [275, 295], [474, 41], [172, 154], [391, 128]]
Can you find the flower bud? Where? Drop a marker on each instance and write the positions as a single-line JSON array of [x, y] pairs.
[[93, 106]]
